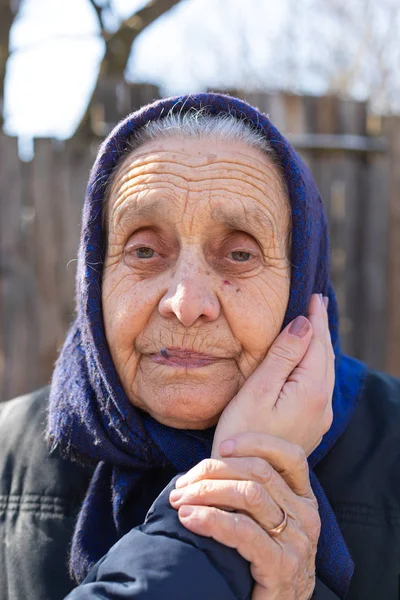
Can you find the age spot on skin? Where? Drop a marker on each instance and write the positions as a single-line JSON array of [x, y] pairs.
[[238, 289]]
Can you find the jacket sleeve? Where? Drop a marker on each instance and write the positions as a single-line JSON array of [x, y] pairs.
[[162, 559]]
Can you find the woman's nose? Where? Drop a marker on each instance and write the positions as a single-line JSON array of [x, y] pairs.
[[189, 297]]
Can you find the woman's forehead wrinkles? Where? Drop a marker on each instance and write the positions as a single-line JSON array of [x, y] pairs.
[[199, 161], [250, 217], [193, 170], [168, 175], [243, 188]]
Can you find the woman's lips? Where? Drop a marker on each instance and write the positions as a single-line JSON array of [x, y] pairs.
[[183, 358]]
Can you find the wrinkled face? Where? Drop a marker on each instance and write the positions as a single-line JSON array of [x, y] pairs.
[[196, 276]]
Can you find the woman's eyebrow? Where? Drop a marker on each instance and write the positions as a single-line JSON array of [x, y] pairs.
[[253, 221], [149, 209]]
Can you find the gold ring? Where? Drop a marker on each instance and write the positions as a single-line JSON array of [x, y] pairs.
[[277, 530]]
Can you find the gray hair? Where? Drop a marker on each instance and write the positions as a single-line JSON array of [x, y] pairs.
[[201, 125], [197, 124]]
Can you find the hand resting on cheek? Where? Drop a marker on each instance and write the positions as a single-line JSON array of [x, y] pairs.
[[257, 477], [290, 393]]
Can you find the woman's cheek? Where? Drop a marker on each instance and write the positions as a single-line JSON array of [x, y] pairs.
[[256, 314], [125, 311]]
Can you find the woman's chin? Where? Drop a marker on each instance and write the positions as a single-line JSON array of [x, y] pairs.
[[185, 406], [185, 398]]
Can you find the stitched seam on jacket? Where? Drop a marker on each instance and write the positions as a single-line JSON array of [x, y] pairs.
[[35, 503]]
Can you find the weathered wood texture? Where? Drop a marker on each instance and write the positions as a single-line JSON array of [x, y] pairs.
[[40, 213], [392, 129]]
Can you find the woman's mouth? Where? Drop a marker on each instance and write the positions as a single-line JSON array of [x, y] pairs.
[[177, 357]]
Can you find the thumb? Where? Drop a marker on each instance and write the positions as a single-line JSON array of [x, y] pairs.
[[284, 355]]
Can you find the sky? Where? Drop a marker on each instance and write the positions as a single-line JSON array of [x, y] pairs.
[[56, 51]]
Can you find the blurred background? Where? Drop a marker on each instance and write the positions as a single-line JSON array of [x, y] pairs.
[[326, 71]]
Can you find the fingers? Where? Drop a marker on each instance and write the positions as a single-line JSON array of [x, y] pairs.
[[278, 564], [233, 530], [316, 356], [320, 359], [287, 459], [283, 356], [248, 497], [328, 417], [307, 393], [289, 394], [262, 457]]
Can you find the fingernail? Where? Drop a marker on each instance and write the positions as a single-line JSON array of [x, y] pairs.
[[185, 511], [300, 327], [227, 447], [321, 299], [175, 495], [326, 302]]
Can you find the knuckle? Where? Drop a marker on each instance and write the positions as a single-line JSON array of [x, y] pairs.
[[203, 488], [303, 546], [260, 470], [312, 524], [284, 354], [253, 494], [244, 532], [328, 419], [208, 520], [299, 458], [290, 563], [321, 395], [208, 467]]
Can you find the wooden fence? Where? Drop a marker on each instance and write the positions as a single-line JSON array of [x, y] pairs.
[[354, 160]]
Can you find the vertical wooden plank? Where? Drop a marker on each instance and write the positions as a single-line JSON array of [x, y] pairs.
[[392, 130], [32, 365], [352, 173], [297, 122], [140, 94], [77, 161], [46, 252], [63, 221], [13, 322], [373, 294], [296, 119], [350, 118], [326, 116], [275, 108], [335, 185]]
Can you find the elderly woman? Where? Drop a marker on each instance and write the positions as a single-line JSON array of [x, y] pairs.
[[204, 346]]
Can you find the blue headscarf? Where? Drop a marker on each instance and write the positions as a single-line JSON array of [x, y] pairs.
[[90, 417]]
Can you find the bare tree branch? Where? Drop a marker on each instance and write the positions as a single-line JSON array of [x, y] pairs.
[[119, 44], [99, 12], [118, 48]]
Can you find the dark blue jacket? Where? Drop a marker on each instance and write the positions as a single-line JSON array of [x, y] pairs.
[[40, 495]]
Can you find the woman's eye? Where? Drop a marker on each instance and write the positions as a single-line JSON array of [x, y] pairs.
[[241, 256], [144, 252]]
